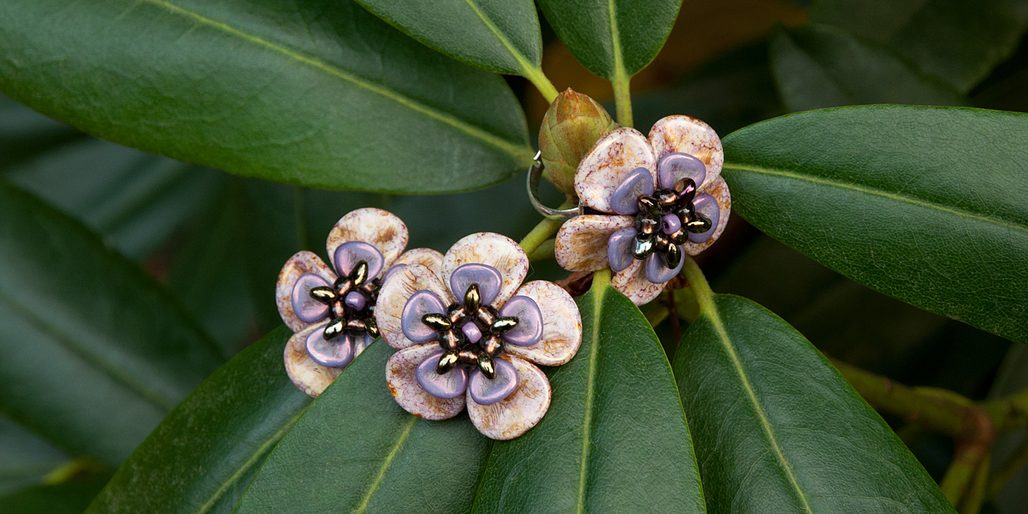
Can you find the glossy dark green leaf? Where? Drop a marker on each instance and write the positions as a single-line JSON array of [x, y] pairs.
[[820, 66], [958, 41], [356, 450], [615, 438], [498, 35], [70, 497], [612, 38], [319, 93], [201, 456], [24, 458], [95, 353], [777, 429], [923, 204]]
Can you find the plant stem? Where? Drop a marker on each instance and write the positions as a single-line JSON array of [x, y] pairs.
[[542, 83], [699, 288], [623, 98], [541, 233]]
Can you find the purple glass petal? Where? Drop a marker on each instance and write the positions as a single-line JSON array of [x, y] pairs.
[[676, 166], [472, 332], [334, 353], [392, 269], [361, 342], [306, 308], [487, 278], [350, 253], [707, 206], [624, 198], [487, 391], [658, 272], [448, 385], [529, 329], [420, 303], [619, 249], [355, 300], [670, 223]]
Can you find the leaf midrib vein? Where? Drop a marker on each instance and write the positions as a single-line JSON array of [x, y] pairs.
[[386, 464], [910, 200], [508, 147], [620, 73], [587, 423], [520, 58], [709, 308], [262, 450]]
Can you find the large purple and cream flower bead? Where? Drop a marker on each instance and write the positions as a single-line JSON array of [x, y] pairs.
[[331, 310], [651, 202], [470, 334]]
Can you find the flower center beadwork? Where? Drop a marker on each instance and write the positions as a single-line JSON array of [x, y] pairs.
[[665, 220], [351, 303], [469, 334]]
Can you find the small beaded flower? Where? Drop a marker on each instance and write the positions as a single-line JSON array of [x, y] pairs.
[[332, 313], [468, 335], [656, 201]]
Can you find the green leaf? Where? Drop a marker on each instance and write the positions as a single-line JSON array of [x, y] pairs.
[[356, 450], [612, 38], [202, 455], [615, 438], [319, 93], [820, 66], [69, 497], [960, 42], [501, 36], [924, 204], [24, 458], [777, 429], [95, 353]]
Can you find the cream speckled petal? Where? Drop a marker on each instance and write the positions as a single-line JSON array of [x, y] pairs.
[[404, 386], [611, 159], [491, 249], [581, 243], [377, 227], [426, 257], [686, 134], [632, 283], [398, 287], [719, 190], [562, 325], [312, 378], [517, 413], [297, 265]]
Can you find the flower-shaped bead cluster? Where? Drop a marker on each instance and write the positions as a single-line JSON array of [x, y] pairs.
[[656, 201], [470, 334], [332, 312]]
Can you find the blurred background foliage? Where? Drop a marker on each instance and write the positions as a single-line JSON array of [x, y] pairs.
[[217, 241]]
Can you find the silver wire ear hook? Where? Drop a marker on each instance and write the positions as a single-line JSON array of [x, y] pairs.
[[535, 173]]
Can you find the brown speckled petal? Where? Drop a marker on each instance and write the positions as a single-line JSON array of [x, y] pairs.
[[632, 283], [719, 190], [379, 228], [312, 378], [396, 290], [498, 251], [689, 135], [581, 243], [426, 257], [299, 264], [517, 413], [404, 386], [613, 157], [562, 325]]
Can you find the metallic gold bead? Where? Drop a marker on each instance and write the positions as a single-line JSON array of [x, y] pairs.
[[485, 363], [324, 294], [446, 362], [472, 299], [359, 275], [501, 325], [436, 322]]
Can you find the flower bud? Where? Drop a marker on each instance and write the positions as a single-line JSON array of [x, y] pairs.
[[570, 128]]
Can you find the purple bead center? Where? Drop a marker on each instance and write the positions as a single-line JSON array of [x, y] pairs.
[[471, 334], [351, 312]]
